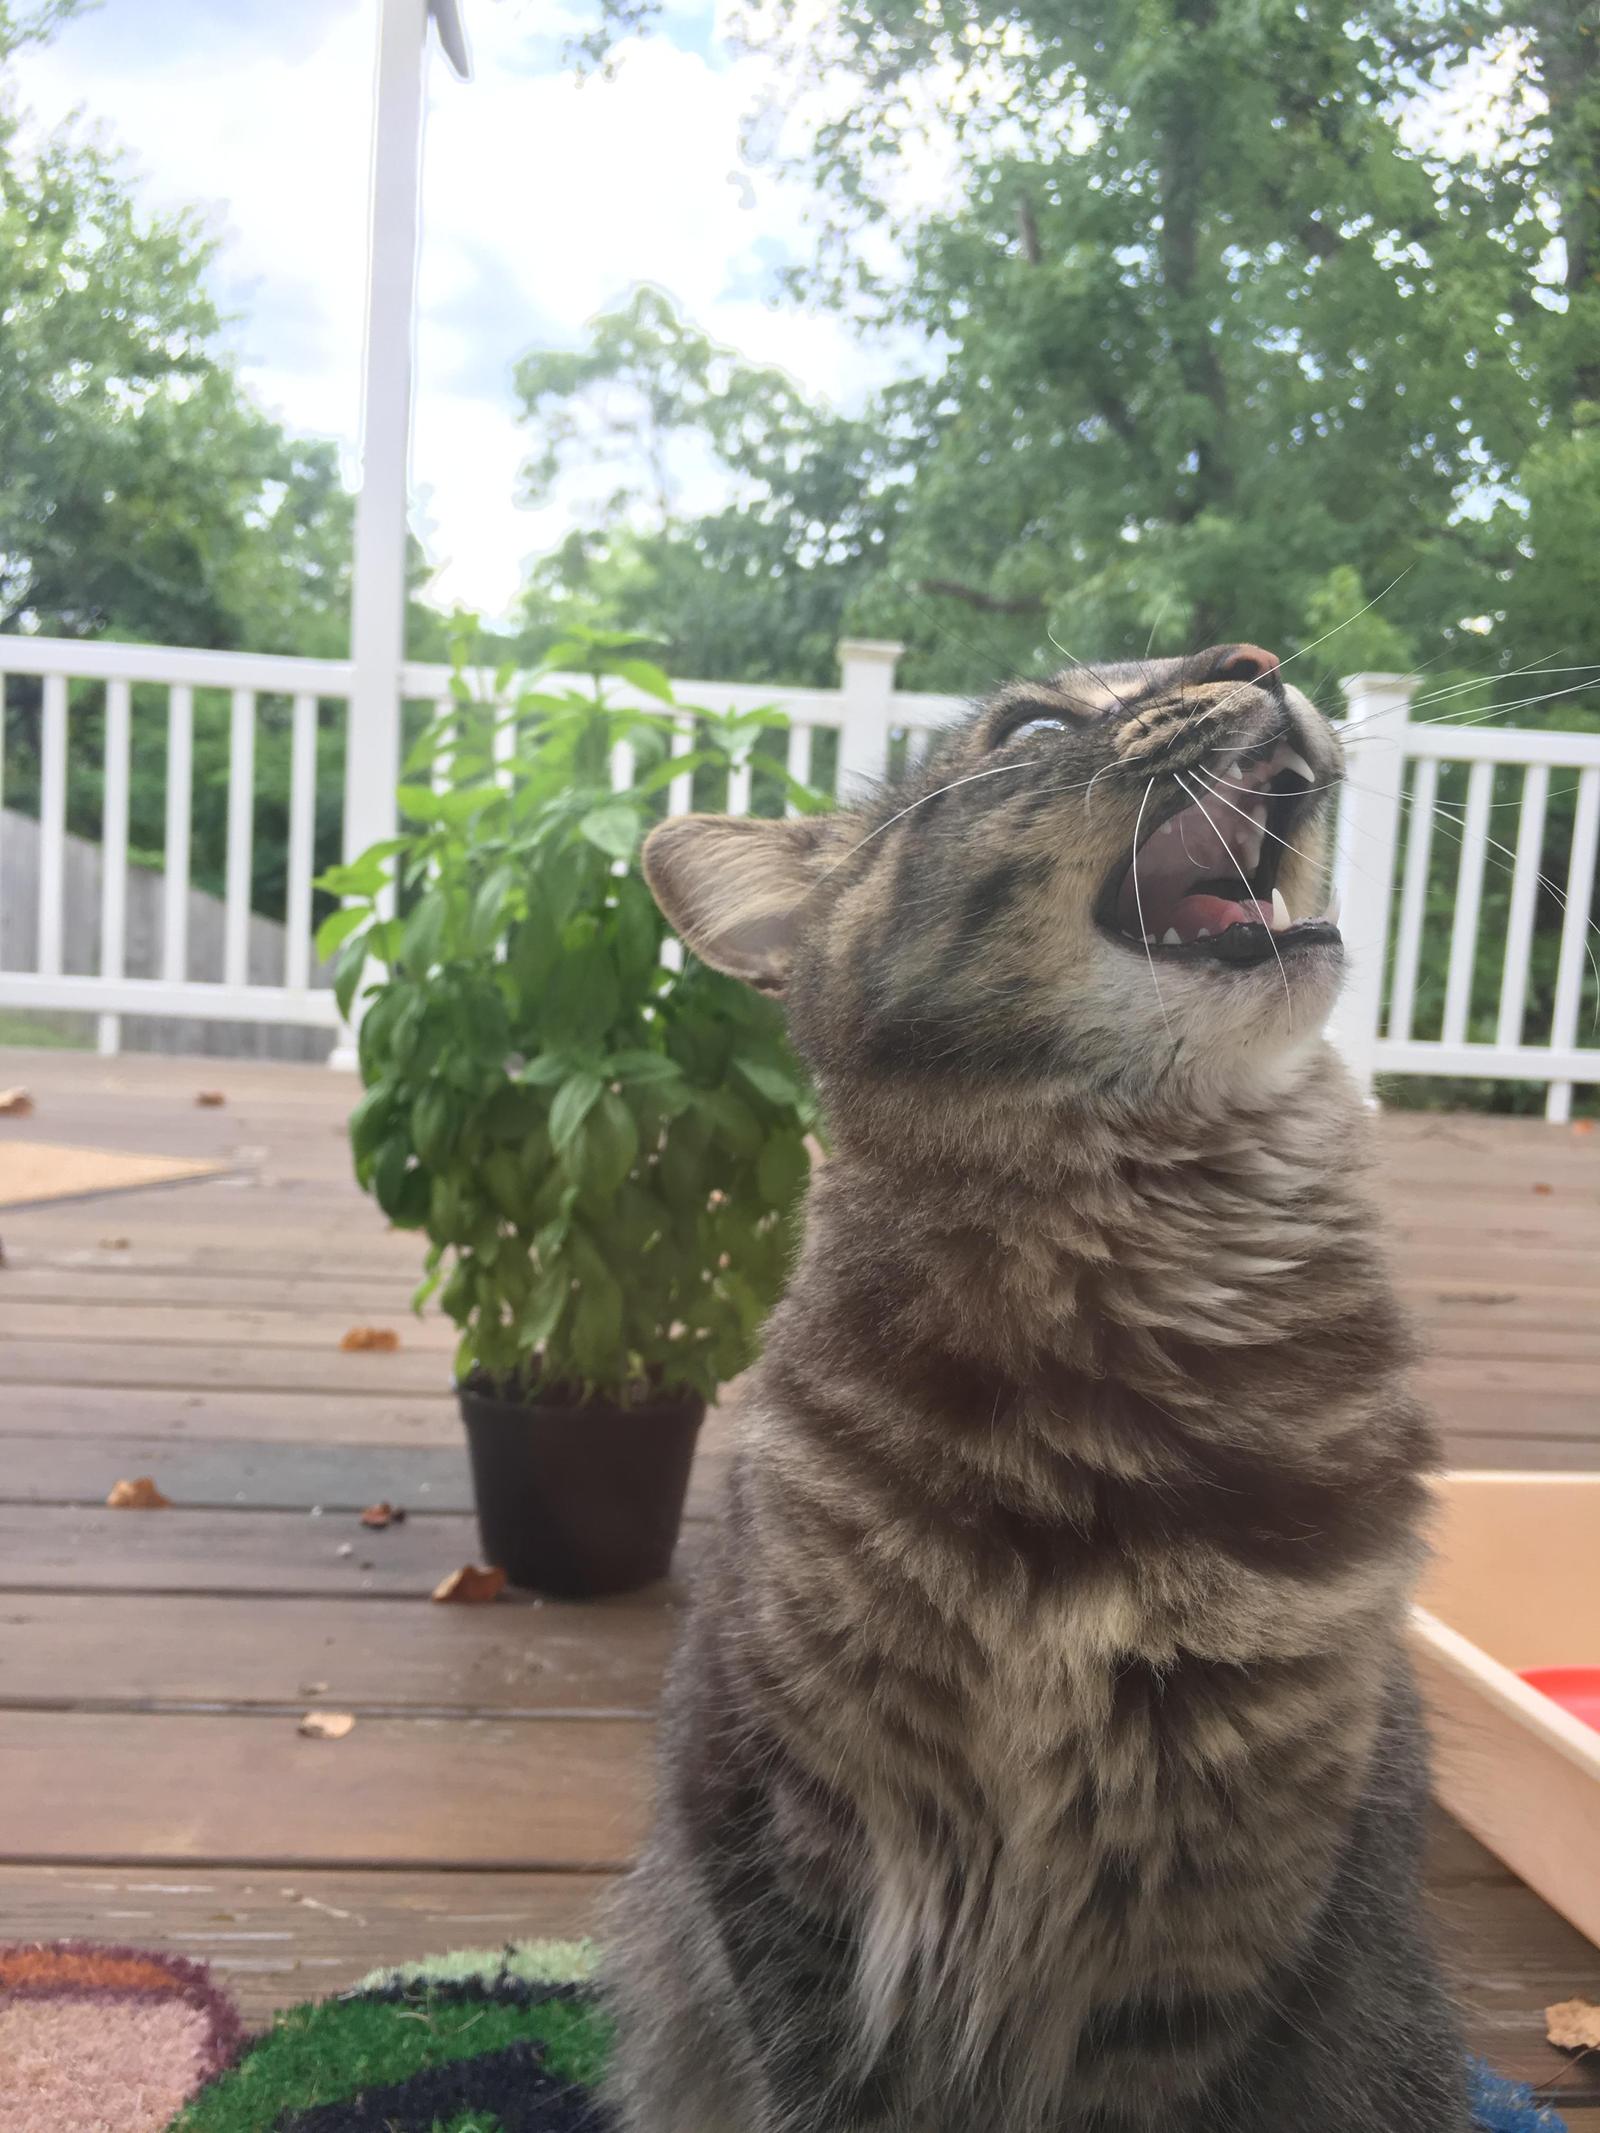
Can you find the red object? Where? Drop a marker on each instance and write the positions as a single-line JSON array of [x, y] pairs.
[[1575, 1688]]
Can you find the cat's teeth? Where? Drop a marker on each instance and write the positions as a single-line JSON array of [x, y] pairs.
[[1292, 759], [1280, 912], [1204, 934], [1172, 938]]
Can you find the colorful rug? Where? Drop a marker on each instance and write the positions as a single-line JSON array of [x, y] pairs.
[[106, 2040], [502, 2040]]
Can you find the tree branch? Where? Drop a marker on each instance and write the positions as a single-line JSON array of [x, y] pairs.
[[974, 596], [1028, 230]]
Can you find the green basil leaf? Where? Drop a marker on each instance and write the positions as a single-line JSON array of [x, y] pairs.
[[610, 1143], [573, 1102], [769, 1080], [347, 974], [645, 674], [645, 1067], [612, 829], [783, 1168], [490, 909], [338, 926]]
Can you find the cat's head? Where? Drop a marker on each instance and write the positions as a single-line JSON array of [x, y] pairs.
[[1111, 880]]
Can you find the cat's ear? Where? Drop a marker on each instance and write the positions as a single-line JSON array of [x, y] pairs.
[[733, 885]]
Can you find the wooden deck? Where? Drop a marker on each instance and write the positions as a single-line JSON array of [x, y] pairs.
[[153, 1666]]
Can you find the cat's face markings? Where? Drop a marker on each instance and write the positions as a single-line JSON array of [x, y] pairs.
[[1112, 876]]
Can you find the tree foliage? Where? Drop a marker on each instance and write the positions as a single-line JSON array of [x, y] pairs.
[[753, 589], [144, 495], [1218, 333]]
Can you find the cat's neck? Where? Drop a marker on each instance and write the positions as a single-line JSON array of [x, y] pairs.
[[1223, 1264]]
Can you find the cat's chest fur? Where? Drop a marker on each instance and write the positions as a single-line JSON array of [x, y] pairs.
[[1068, 1555]]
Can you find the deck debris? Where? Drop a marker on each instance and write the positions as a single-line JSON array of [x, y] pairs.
[[470, 1587], [210, 1099], [327, 1725], [15, 1103], [384, 1514], [383, 1339], [1574, 2025], [138, 1495]]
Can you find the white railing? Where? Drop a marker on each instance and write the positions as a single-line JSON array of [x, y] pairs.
[[864, 716], [1389, 816], [1392, 801]]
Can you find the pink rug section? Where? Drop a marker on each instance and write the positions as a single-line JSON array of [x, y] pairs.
[[106, 2040]]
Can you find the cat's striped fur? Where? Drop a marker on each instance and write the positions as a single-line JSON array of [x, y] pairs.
[[1041, 1755]]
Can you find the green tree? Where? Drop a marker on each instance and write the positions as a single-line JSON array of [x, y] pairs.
[[755, 590], [1209, 333], [145, 496]]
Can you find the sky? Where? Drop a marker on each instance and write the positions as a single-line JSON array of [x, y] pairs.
[[545, 200]]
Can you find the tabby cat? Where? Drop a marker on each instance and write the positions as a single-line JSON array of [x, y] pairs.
[[1042, 1755]]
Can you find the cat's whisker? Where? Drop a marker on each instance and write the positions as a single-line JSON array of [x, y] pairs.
[[1250, 894], [972, 777], [1138, 898], [1489, 681], [1446, 809], [1521, 703], [1277, 838], [1242, 694]]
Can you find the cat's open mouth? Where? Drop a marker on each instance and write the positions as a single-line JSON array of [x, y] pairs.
[[1203, 882]]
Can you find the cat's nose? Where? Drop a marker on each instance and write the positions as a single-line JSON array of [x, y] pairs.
[[1239, 662]]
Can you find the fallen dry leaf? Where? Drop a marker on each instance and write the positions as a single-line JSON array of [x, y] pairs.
[[1574, 2025], [470, 1587], [113, 1244], [382, 1338], [327, 1725], [210, 1099], [139, 1495], [15, 1103], [1583, 1125], [1546, 1189], [383, 1514]]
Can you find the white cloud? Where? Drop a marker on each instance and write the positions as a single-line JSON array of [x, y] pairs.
[[545, 199]]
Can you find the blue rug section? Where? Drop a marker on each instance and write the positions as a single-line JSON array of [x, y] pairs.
[[1501, 2106]]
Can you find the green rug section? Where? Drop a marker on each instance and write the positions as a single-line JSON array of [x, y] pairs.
[[402, 2023], [524, 1962]]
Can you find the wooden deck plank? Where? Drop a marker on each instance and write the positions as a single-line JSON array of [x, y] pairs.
[[84, 1786], [521, 1657], [287, 1553], [81, 1550], [163, 1366], [273, 1937], [1476, 1331], [203, 1348], [198, 1322], [314, 1417], [237, 1474]]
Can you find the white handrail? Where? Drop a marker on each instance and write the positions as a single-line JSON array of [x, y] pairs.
[[1378, 1036], [1387, 921]]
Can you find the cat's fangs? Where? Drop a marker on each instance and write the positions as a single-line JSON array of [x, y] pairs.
[[1200, 873]]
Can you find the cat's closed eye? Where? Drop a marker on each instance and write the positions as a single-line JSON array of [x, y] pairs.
[[1033, 726]]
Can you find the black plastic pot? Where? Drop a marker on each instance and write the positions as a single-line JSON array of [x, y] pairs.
[[579, 1501]]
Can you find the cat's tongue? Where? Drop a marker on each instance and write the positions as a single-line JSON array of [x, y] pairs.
[[1195, 916]]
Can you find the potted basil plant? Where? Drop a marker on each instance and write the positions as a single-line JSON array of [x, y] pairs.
[[606, 1154]]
